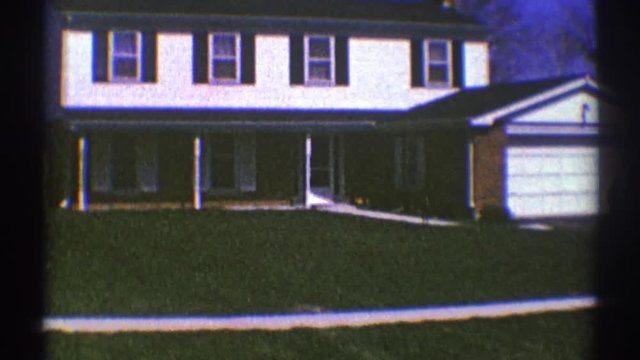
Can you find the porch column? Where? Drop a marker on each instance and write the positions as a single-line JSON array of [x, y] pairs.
[[307, 171], [82, 173], [197, 196]]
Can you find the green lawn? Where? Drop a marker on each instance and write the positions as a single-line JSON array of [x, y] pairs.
[[181, 262], [214, 262]]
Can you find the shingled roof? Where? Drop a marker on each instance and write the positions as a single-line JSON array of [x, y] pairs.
[[473, 102], [429, 11]]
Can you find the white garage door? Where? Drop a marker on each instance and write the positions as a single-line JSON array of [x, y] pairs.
[[552, 181]]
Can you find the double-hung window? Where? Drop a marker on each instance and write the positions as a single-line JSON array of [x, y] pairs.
[[124, 164], [229, 164], [437, 62], [223, 58], [224, 55], [125, 56], [319, 60]]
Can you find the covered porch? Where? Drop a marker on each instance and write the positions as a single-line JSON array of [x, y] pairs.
[[121, 161]]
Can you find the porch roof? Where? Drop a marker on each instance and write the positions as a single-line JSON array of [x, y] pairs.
[[227, 120]]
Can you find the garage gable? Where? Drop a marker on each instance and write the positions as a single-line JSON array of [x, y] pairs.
[[577, 108]]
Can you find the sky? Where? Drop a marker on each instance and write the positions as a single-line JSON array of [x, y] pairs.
[[548, 38], [534, 39]]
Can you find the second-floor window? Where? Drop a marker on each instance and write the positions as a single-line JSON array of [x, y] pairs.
[[318, 60], [319, 53], [124, 55], [437, 62], [224, 55]]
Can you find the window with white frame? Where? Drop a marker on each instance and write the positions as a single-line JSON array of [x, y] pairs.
[[125, 55], [437, 62], [124, 164], [224, 55], [319, 63], [228, 163]]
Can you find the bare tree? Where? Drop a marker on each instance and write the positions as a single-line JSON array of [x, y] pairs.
[[536, 39]]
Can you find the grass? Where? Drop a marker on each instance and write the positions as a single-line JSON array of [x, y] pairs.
[[181, 262], [214, 262]]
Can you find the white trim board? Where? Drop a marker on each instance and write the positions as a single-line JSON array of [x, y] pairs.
[[536, 129]]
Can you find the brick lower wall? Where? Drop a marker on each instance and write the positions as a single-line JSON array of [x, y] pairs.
[[488, 166]]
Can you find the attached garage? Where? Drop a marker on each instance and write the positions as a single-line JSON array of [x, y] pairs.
[[535, 149], [552, 180], [552, 151]]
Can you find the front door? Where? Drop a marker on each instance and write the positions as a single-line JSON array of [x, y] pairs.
[[321, 170]]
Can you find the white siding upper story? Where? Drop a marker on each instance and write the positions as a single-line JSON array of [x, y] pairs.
[[476, 63], [578, 108], [379, 78]]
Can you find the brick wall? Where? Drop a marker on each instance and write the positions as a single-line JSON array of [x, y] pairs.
[[488, 166]]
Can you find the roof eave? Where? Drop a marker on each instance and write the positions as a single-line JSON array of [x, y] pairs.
[[271, 24]]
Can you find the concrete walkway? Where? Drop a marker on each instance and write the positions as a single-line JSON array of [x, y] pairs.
[[322, 320], [381, 215], [347, 209]]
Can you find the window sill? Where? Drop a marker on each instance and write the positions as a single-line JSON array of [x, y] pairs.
[[319, 84], [125, 81], [439, 86], [224, 85], [225, 82]]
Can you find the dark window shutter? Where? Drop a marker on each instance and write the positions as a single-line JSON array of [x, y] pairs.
[[296, 66], [342, 60], [417, 62], [248, 51], [149, 56], [457, 62], [100, 55], [200, 57]]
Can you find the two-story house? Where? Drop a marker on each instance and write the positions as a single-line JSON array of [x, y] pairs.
[[309, 102]]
